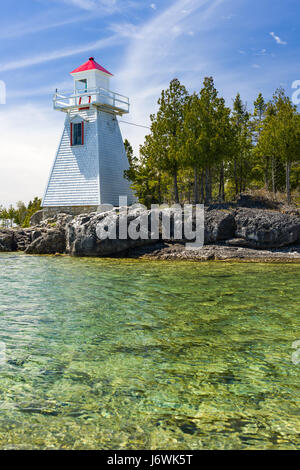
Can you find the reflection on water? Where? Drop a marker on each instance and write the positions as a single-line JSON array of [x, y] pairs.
[[122, 354]]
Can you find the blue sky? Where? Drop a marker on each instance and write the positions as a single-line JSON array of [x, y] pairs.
[[249, 46]]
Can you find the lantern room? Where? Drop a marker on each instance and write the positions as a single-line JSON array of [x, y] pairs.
[[91, 88], [91, 75]]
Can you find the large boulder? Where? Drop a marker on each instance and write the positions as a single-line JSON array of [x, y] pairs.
[[219, 226], [49, 242], [84, 238], [23, 238], [267, 229], [86, 234], [7, 240], [37, 218]]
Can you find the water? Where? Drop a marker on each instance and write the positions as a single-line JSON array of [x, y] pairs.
[[125, 354]]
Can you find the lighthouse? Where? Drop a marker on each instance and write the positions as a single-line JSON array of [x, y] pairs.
[[88, 169]]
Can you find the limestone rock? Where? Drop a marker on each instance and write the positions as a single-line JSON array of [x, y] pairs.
[[7, 240], [82, 234], [267, 229], [37, 218], [50, 242], [219, 226]]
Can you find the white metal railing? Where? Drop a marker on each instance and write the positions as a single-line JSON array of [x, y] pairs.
[[98, 96]]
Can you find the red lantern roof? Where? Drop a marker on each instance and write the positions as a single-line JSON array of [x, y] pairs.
[[91, 64]]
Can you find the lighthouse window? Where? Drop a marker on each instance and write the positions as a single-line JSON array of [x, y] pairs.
[[81, 85], [77, 133]]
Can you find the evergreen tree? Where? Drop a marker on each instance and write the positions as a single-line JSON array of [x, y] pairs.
[[166, 131], [207, 134], [242, 141]]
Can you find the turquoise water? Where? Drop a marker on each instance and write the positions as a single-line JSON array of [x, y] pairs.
[[126, 354]]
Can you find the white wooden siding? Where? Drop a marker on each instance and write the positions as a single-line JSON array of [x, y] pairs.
[[91, 174]]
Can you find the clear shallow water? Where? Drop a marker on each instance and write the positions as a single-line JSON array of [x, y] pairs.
[[122, 354]]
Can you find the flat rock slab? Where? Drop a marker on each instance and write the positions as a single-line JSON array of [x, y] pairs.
[[215, 252]]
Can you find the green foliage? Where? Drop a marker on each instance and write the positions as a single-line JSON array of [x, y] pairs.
[[21, 214], [280, 139], [199, 150], [207, 133]]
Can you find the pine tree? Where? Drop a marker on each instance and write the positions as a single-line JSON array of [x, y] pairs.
[[166, 130], [207, 134]]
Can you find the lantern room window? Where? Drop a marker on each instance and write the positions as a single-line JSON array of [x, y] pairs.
[[77, 133], [81, 85]]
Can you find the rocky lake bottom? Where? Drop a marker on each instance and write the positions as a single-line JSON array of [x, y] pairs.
[[141, 354]]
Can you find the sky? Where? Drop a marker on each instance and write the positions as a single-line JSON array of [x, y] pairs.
[[248, 46]]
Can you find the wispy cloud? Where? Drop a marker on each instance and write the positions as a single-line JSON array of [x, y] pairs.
[[277, 39], [85, 4], [89, 5], [126, 30], [29, 131], [59, 54], [46, 90], [162, 54], [39, 24]]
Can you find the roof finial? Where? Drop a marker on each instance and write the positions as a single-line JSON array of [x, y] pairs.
[[91, 58]]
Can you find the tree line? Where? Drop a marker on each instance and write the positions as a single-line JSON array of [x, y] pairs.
[[200, 150], [19, 215]]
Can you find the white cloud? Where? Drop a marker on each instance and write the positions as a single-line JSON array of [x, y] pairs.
[[277, 39], [151, 63], [153, 6], [40, 91], [85, 4], [39, 24], [90, 5], [126, 30], [59, 54], [29, 139], [262, 52]]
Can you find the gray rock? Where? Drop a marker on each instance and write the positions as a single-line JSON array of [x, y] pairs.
[[83, 239], [50, 242], [219, 226], [81, 236], [267, 229], [23, 238], [238, 242], [7, 240], [37, 218]]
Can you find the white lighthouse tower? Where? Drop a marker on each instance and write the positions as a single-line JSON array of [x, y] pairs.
[[89, 166]]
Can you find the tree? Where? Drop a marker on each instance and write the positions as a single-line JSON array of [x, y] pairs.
[[11, 214], [259, 114], [20, 213], [207, 135], [33, 207], [280, 136], [242, 141], [4, 216], [132, 160], [166, 131]]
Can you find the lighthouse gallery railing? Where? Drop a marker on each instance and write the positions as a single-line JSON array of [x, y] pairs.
[[97, 96]]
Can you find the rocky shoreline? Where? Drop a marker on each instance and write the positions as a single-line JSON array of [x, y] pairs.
[[243, 234]]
